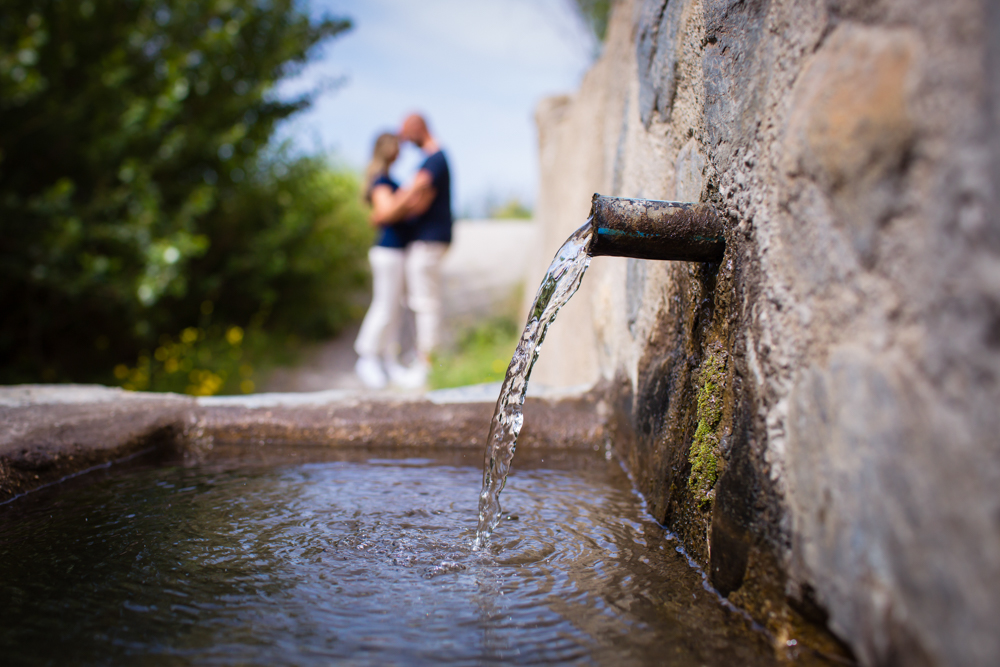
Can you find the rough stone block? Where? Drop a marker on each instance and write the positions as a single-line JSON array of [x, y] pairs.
[[850, 128], [657, 52]]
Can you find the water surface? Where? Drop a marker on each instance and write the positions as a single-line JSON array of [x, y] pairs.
[[363, 562]]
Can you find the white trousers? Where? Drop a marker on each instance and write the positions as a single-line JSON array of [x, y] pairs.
[[423, 283], [379, 334]]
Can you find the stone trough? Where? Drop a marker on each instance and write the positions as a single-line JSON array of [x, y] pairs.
[[51, 432]]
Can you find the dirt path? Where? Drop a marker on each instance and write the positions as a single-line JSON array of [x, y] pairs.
[[328, 365]]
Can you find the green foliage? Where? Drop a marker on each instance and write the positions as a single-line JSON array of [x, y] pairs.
[[288, 252], [136, 185], [513, 209], [704, 455], [482, 355], [199, 361], [595, 14]]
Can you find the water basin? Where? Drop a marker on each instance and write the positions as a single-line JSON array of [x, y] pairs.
[[363, 560]]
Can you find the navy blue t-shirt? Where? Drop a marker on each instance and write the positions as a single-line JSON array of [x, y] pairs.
[[396, 235], [435, 223]]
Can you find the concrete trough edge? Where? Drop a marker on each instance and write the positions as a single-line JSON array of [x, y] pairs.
[[51, 432]]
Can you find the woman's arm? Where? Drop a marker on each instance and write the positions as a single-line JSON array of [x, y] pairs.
[[389, 207]]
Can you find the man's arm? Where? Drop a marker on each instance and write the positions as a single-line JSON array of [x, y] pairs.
[[419, 195]]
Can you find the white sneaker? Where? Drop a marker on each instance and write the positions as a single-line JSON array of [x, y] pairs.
[[369, 370], [396, 371], [414, 377]]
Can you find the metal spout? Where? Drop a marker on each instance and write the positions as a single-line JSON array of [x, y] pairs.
[[651, 229]]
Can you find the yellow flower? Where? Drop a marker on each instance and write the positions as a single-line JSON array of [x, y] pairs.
[[234, 335]]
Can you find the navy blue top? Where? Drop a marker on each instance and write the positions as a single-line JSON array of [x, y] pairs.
[[396, 235], [435, 223]]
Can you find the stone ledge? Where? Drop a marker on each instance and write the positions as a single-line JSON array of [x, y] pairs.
[[49, 432]]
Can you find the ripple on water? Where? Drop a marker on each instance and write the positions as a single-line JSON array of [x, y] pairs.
[[367, 562]]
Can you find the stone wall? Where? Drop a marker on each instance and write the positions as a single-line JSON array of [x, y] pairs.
[[817, 416]]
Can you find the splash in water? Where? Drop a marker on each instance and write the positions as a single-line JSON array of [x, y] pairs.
[[560, 283]]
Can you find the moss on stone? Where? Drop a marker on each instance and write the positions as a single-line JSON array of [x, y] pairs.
[[705, 453]]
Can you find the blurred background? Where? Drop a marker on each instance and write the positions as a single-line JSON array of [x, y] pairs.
[[180, 193]]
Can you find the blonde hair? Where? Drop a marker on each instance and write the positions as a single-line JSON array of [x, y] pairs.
[[386, 146]]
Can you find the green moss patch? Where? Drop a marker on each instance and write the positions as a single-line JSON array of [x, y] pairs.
[[705, 454]]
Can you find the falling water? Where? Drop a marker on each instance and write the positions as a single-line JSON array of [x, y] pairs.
[[560, 283]]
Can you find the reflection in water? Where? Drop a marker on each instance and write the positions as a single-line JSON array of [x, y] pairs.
[[367, 562]]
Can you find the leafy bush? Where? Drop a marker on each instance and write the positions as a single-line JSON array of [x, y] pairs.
[[200, 362], [137, 192], [512, 209], [288, 252]]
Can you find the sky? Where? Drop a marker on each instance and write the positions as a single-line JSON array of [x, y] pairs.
[[475, 68]]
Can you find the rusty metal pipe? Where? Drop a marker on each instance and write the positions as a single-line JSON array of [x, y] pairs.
[[651, 229]]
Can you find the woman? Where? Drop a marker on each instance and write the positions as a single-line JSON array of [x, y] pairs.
[[377, 342]]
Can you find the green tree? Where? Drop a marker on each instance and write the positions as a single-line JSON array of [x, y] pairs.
[[595, 13], [136, 184], [288, 248]]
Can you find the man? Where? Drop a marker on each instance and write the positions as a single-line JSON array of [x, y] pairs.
[[429, 199]]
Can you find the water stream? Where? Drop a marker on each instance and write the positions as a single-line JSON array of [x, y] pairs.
[[559, 284]]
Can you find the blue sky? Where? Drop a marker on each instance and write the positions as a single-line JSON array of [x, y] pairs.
[[475, 68]]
